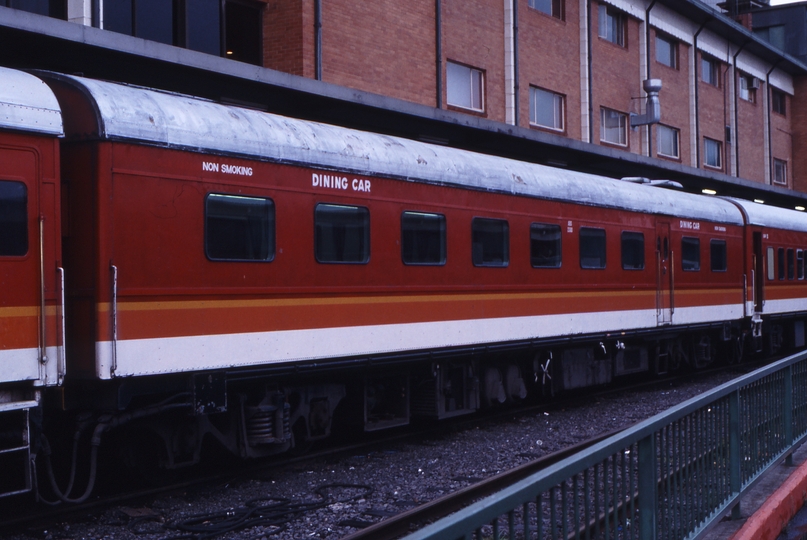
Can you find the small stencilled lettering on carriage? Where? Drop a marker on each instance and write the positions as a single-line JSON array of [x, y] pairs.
[[689, 225], [720, 228], [210, 166]]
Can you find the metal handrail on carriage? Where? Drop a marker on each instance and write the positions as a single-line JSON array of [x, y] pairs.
[[667, 478]]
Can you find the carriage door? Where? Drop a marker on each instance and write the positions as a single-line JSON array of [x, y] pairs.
[[758, 273], [664, 274]]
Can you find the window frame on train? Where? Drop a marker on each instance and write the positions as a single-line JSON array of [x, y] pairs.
[[632, 244], [799, 264], [593, 246], [361, 215], [484, 231], [551, 256], [690, 245], [780, 261], [14, 240], [418, 232], [220, 244], [771, 258], [718, 262], [791, 264]]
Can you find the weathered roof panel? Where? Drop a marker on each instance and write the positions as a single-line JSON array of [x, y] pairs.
[[27, 104]]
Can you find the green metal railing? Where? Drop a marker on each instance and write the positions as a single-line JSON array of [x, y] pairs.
[[667, 478]]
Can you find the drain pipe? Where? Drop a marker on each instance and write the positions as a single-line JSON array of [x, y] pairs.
[[590, 85], [768, 121], [318, 39], [438, 30], [697, 104], [736, 98], [515, 62]]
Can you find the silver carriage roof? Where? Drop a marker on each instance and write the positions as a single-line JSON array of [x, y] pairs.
[[27, 104], [771, 216], [138, 114]]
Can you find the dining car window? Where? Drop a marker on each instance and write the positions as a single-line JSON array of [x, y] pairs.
[[545, 247], [342, 234], [423, 238], [13, 219], [632, 250], [770, 261], [791, 264], [490, 239], [690, 254], [718, 255], [239, 228], [592, 247], [780, 260], [799, 264]]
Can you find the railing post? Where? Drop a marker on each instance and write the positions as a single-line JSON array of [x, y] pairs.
[[734, 449], [788, 412], [648, 498]]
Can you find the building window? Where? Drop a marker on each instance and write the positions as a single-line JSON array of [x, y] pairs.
[[546, 109], [342, 234], [775, 35], [465, 86], [550, 7], [613, 127], [592, 247], [779, 171], [239, 228], [50, 8], [713, 151], [611, 25], [632, 250], [490, 242], [710, 71], [13, 219], [719, 258], [423, 238], [779, 102], [748, 88], [545, 248], [667, 141], [666, 51], [232, 29], [690, 254]]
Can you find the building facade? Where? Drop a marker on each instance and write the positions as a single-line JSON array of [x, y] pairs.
[[570, 68]]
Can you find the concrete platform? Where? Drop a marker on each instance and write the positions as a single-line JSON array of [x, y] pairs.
[[770, 504]]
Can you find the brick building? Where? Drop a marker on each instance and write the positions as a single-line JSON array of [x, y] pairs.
[[569, 68]]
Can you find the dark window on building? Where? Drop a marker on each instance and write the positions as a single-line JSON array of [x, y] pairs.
[[632, 250], [710, 71], [550, 7], [423, 238], [592, 247], [690, 254], [713, 153], [546, 108], [51, 8], [667, 51], [613, 127], [718, 255], [611, 25], [13, 219], [194, 24], [239, 228], [779, 102], [779, 171], [545, 248], [668, 138], [775, 35], [342, 234], [490, 240], [781, 260], [791, 264], [748, 87], [465, 87]]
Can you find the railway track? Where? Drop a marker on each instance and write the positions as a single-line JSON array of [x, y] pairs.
[[391, 527]]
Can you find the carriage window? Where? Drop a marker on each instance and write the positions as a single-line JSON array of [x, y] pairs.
[[780, 256], [342, 234], [490, 242], [633, 250], [13, 219], [771, 270], [592, 248], [423, 238], [545, 250], [690, 254], [791, 264], [799, 264], [239, 228], [718, 257]]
